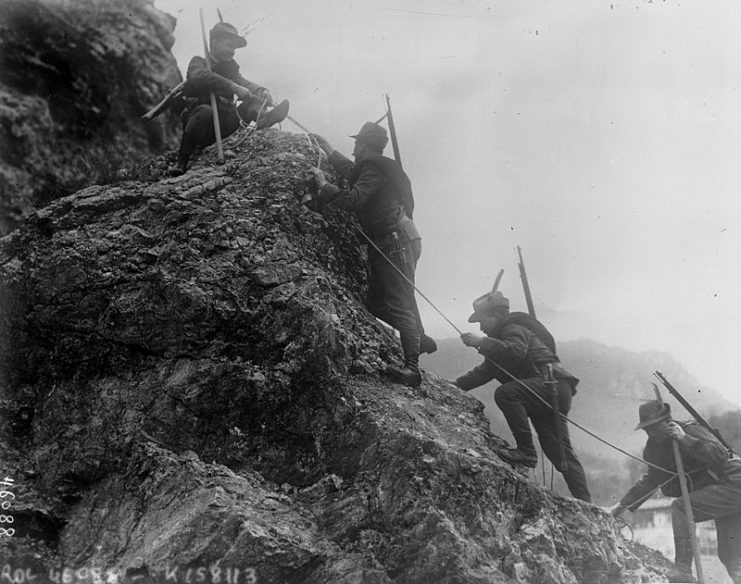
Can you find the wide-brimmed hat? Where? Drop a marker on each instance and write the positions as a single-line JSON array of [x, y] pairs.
[[652, 412], [226, 30], [487, 305], [372, 135]]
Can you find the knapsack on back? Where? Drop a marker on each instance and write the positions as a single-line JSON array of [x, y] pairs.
[[533, 325]]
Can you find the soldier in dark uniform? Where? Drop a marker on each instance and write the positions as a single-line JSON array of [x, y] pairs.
[[714, 483], [519, 344], [225, 81], [380, 192]]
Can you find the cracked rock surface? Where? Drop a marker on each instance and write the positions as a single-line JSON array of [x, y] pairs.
[[190, 379], [75, 77]]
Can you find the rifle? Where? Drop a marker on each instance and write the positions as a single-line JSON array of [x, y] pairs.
[[692, 411], [550, 380], [525, 284], [174, 93], [392, 131], [497, 280]]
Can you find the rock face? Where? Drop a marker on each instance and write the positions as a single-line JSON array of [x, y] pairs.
[[190, 386], [74, 79]]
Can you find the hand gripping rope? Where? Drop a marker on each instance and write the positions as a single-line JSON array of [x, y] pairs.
[[507, 373]]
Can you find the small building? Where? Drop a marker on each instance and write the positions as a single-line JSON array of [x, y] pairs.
[[652, 526]]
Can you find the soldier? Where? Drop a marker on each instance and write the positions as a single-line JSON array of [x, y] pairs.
[[380, 192], [714, 482], [225, 81], [519, 344]]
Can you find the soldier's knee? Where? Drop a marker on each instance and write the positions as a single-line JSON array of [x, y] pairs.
[[503, 394], [201, 113]]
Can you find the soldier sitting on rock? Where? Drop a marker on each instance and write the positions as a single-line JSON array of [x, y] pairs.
[[225, 81]]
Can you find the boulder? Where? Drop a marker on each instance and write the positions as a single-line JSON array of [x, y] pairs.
[[193, 388], [75, 77]]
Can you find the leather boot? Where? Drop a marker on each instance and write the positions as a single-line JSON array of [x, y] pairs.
[[682, 570], [409, 374], [524, 454], [427, 344], [273, 116], [180, 166]]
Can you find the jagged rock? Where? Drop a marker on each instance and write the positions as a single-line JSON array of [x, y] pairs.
[[74, 79], [191, 381]]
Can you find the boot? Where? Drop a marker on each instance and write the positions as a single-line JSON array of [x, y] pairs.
[[409, 374], [427, 344], [274, 116], [682, 570], [180, 166], [524, 454]]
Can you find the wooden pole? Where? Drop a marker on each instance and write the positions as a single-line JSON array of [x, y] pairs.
[[688, 511], [525, 284], [685, 499], [214, 110]]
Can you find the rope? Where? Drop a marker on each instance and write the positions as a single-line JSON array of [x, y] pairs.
[[403, 275], [503, 370], [623, 524]]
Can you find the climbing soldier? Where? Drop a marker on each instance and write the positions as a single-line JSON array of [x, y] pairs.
[[520, 353], [380, 192], [714, 482], [221, 77]]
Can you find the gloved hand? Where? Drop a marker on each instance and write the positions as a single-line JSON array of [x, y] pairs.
[[472, 340], [242, 92], [319, 177], [675, 431], [265, 94], [323, 144], [615, 509]]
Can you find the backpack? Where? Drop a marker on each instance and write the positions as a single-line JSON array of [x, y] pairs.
[[533, 325], [400, 180]]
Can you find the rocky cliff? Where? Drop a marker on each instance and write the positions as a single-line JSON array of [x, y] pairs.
[[190, 392], [74, 79]]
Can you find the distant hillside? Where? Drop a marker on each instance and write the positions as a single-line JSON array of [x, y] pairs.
[[613, 382]]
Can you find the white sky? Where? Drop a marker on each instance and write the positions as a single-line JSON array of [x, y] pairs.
[[603, 137]]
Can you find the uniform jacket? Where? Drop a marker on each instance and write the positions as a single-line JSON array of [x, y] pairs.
[[518, 350], [705, 459], [379, 192], [201, 81]]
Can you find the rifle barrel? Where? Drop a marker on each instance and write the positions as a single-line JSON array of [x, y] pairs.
[[497, 280], [525, 284], [156, 110], [392, 131], [693, 412]]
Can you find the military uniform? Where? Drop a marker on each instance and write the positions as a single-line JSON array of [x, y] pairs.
[[198, 126], [518, 350], [380, 193], [376, 189], [714, 483]]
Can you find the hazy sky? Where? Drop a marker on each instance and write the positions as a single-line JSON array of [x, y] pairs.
[[603, 137]]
